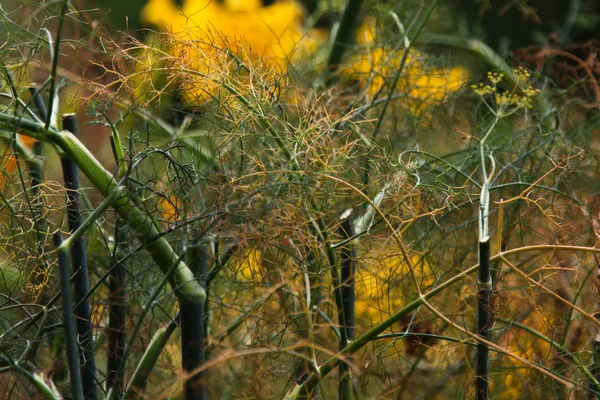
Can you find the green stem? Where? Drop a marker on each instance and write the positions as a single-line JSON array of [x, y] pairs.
[[93, 217], [54, 52], [138, 381], [116, 146], [182, 280], [484, 279], [192, 329], [46, 389]]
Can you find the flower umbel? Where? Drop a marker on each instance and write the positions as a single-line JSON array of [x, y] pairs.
[[509, 101]]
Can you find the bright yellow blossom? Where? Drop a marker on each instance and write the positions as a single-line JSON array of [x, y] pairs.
[[169, 208], [509, 101], [528, 347], [384, 288], [249, 268], [206, 37], [424, 86]]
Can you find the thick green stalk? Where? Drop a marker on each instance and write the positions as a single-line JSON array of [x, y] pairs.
[[182, 281], [484, 278], [42, 384], [138, 381], [185, 286], [54, 48], [192, 349], [188, 290]]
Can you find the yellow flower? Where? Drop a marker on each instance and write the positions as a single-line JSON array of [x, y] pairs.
[[365, 34], [433, 87], [382, 288], [249, 267], [527, 346], [243, 5], [509, 101], [375, 67], [160, 12], [169, 208], [205, 36]]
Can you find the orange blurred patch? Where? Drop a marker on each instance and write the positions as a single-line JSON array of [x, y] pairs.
[[169, 208], [8, 166]]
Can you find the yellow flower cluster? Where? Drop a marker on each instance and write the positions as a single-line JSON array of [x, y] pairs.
[[507, 102], [249, 268], [424, 86], [383, 289], [518, 375], [207, 38]]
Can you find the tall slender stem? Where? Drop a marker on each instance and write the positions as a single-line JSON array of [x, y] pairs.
[[52, 112], [348, 261], [484, 277], [483, 320], [80, 269], [192, 329], [68, 318]]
